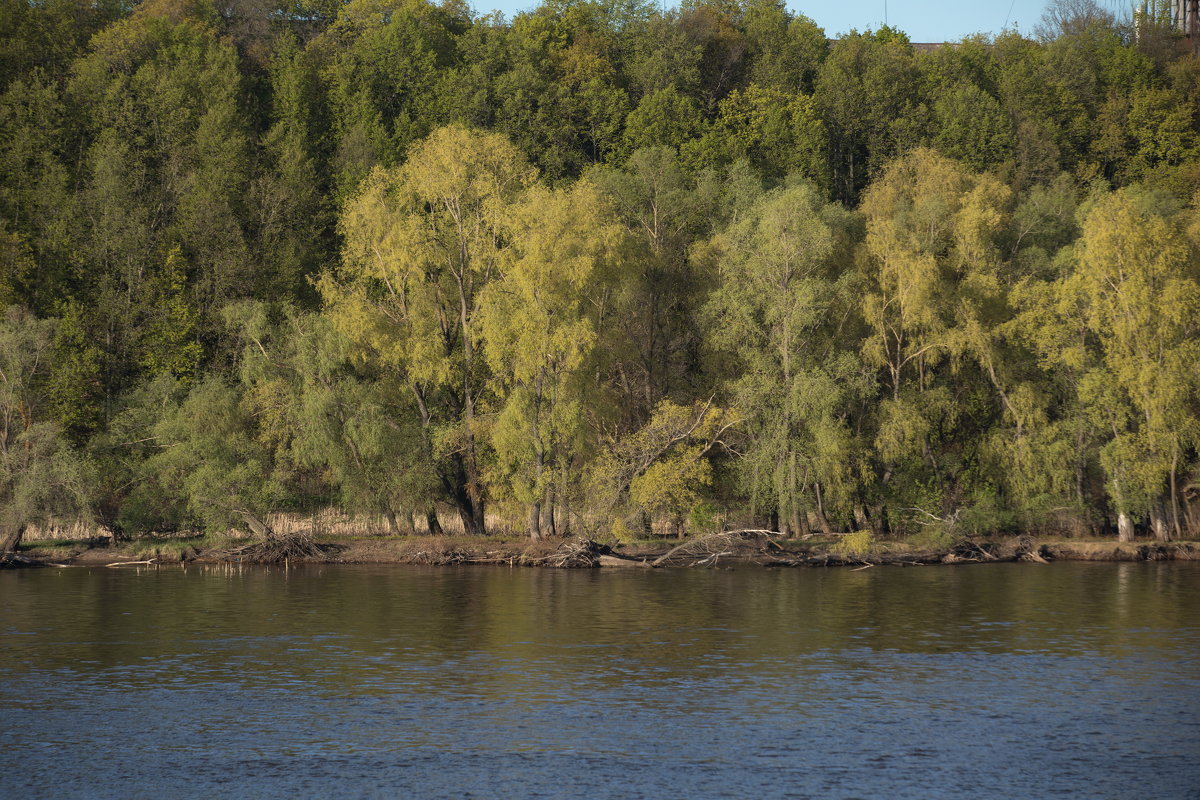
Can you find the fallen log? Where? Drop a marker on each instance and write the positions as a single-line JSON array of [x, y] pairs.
[[623, 561], [708, 549]]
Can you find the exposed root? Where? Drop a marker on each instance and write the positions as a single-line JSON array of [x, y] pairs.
[[439, 557], [966, 550], [581, 553], [278, 549], [1029, 550], [16, 561]]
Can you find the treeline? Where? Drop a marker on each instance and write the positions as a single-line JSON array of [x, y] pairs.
[[601, 267]]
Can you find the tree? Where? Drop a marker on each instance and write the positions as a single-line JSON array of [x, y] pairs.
[[355, 431], [663, 118], [665, 210], [867, 94], [213, 460], [932, 239], [381, 61], [547, 321], [778, 133], [663, 468], [422, 242], [40, 474], [776, 293], [785, 51], [1140, 292], [972, 127]]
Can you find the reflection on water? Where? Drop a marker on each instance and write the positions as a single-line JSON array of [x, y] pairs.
[[1076, 680]]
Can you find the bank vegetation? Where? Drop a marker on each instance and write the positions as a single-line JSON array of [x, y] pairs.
[[601, 270]]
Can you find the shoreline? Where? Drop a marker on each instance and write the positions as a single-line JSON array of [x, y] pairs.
[[719, 550]]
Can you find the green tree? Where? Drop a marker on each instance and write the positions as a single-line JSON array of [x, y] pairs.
[[546, 321], [665, 210], [40, 474], [933, 231], [778, 133], [355, 431], [422, 242], [381, 61], [776, 295], [867, 94], [1140, 294], [213, 461], [972, 127]]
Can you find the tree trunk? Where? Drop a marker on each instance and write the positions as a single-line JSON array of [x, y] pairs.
[[392, 525], [1124, 527], [10, 538], [433, 523], [1158, 522], [861, 519], [879, 517], [1176, 521], [822, 520], [258, 526], [535, 520]]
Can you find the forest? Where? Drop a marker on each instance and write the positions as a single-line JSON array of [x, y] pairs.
[[601, 268]]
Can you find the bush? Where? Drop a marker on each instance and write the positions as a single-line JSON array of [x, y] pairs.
[[859, 543]]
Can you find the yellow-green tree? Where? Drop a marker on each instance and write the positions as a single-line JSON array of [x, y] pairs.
[[1139, 287], [421, 243], [776, 291], [934, 276], [545, 322]]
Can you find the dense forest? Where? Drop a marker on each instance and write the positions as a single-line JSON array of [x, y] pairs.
[[602, 268]]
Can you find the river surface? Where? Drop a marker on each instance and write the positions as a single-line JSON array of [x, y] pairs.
[[1007, 681]]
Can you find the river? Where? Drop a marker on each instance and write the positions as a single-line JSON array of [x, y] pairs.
[[1006, 680]]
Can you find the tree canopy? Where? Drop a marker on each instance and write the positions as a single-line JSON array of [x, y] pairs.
[[601, 267]]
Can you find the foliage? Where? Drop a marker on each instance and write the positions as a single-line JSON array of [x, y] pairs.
[[858, 543], [40, 473], [602, 265]]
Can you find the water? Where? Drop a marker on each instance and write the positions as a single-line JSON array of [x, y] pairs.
[[1071, 680]]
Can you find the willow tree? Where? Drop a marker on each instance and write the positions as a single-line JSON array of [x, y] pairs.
[[353, 427], [39, 473], [1139, 284], [421, 243], [775, 292], [665, 211], [933, 272], [545, 323], [215, 461]]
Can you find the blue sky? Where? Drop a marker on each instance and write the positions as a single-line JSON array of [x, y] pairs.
[[923, 20]]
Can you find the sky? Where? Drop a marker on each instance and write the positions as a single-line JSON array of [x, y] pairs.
[[922, 20]]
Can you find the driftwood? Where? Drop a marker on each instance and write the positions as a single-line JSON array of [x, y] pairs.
[[15, 561], [622, 561], [707, 550], [1029, 550], [276, 549], [443, 557], [127, 563], [581, 553]]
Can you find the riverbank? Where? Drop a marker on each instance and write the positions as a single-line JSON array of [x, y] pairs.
[[741, 547]]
